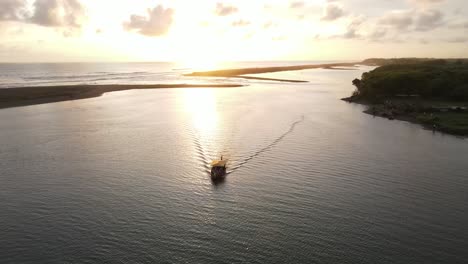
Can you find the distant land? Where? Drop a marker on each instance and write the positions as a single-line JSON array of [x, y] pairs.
[[431, 92], [23, 96], [240, 73]]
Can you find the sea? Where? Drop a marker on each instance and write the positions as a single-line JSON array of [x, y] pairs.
[[124, 178]]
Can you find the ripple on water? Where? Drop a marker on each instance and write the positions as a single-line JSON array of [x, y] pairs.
[[124, 178]]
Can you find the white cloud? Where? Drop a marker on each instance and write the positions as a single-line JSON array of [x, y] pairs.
[[225, 10], [428, 20], [420, 20], [58, 13], [157, 23], [398, 19], [353, 27], [12, 9], [333, 12], [427, 2], [48, 13], [458, 40], [378, 34]]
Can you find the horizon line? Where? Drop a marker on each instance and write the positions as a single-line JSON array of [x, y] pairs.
[[227, 61]]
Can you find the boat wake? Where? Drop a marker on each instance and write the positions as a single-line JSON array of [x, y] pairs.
[[201, 154], [204, 156], [275, 142]]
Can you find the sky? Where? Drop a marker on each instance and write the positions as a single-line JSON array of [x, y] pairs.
[[242, 30]]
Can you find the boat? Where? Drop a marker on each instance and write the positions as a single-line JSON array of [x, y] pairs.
[[218, 169]]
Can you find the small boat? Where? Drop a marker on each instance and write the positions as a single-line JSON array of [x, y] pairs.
[[218, 169]]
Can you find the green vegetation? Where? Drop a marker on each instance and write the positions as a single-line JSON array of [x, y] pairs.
[[438, 79], [449, 122], [382, 62], [430, 92]]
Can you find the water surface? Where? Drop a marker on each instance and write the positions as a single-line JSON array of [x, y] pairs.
[[123, 178]]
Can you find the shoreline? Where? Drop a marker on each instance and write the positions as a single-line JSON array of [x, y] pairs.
[[408, 117], [35, 95]]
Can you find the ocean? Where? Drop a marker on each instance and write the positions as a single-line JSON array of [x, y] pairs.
[[123, 178], [44, 74]]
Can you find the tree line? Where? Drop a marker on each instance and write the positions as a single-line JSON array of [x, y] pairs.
[[432, 79]]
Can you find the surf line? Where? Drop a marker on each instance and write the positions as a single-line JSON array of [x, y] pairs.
[[268, 147]]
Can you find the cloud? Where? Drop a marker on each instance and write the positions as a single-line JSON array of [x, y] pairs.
[[297, 4], [424, 41], [426, 2], [353, 27], [157, 23], [423, 20], [458, 25], [225, 10], [428, 20], [332, 12], [401, 20], [48, 13], [12, 9], [458, 40], [58, 13], [378, 34]]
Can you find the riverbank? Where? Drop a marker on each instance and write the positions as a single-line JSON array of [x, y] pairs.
[[446, 117], [24, 96]]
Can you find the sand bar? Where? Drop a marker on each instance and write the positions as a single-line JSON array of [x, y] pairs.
[[23, 96], [244, 71]]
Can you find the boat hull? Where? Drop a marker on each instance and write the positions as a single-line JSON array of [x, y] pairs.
[[218, 173]]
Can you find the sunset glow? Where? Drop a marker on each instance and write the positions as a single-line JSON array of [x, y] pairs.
[[201, 105], [193, 32]]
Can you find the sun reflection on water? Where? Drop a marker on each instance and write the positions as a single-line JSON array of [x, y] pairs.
[[201, 104]]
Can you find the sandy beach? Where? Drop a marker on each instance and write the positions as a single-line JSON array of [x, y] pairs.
[[23, 96], [244, 71]]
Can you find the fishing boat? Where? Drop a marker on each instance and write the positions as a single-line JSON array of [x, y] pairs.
[[218, 169]]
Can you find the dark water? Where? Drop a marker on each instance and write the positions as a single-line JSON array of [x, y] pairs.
[[123, 179]]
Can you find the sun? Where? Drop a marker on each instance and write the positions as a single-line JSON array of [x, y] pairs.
[[195, 52]]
